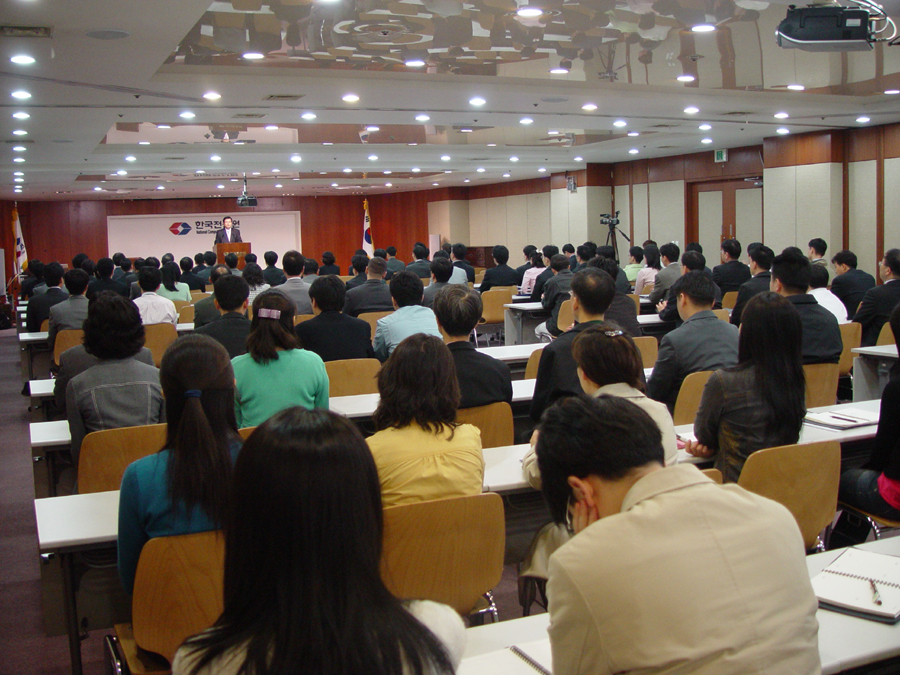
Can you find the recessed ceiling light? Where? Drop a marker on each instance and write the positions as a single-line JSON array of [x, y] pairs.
[[308, 116], [255, 173], [892, 92], [620, 123], [782, 131], [334, 185], [295, 158], [388, 185], [705, 127], [416, 169], [18, 189], [529, 12], [414, 63], [633, 151], [492, 145], [220, 187], [703, 28], [130, 158], [18, 160], [706, 141], [526, 120], [143, 142], [781, 116], [685, 78], [199, 171], [542, 170], [373, 157], [22, 59], [861, 120], [20, 132], [449, 171], [445, 158], [253, 56], [513, 159], [422, 118], [388, 172], [212, 96], [348, 170], [465, 131], [271, 127], [97, 188], [796, 87], [187, 114], [477, 101], [21, 115], [467, 181], [506, 175], [163, 126], [412, 144], [276, 170], [349, 98], [372, 127], [480, 169], [553, 132], [691, 110], [234, 180], [278, 185], [434, 184], [18, 173], [634, 133], [578, 159], [19, 148], [559, 71], [215, 158], [21, 94], [160, 187], [18, 180], [121, 172], [589, 106]]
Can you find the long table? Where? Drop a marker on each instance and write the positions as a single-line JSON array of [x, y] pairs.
[[871, 371], [845, 641]]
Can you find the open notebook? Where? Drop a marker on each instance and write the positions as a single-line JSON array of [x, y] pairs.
[[856, 581], [528, 658], [845, 418]]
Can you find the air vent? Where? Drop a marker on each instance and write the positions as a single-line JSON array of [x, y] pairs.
[[737, 113], [248, 116], [16, 142], [664, 126], [26, 31], [174, 159], [666, 147], [283, 97], [554, 99]]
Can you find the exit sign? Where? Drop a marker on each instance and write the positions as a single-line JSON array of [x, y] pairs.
[[721, 155]]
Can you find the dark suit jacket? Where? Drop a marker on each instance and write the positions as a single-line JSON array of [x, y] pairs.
[[556, 292], [622, 283], [623, 313], [756, 285], [193, 282], [371, 296], [851, 287], [39, 307], [356, 281], [482, 379], [729, 276], [876, 308], [235, 236], [274, 276], [420, 267], [97, 286], [231, 329], [324, 270], [470, 271], [822, 341], [520, 273], [335, 336], [557, 376], [205, 311], [670, 313], [538, 289], [501, 275]]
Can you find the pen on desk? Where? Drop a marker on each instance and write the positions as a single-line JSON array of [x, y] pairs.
[[844, 419], [876, 596]]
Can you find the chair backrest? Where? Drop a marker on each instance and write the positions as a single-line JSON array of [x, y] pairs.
[[649, 349], [851, 334], [372, 319], [821, 383], [198, 295], [447, 550], [300, 318], [180, 303], [492, 305], [531, 367], [495, 421], [66, 339], [186, 314], [637, 301], [723, 315], [714, 474], [45, 325], [804, 478], [345, 279], [348, 377], [885, 337], [479, 276], [566, 316], [177, 590], [246, 431], [689, 395], [514, 289], [157, 338], [106, 454], [647, 289], [729, 300]]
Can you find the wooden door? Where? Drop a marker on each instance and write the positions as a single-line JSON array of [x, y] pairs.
[[720, 210]]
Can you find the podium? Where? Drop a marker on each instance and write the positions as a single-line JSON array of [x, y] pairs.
[[240, 248]]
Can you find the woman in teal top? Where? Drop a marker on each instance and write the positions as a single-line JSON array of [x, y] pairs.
[[184, 487], [275, 374], [171, 288]]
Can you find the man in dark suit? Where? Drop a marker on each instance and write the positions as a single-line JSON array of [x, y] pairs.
[[228, 234], [877, 304], [420, 266], [330, 334], [822, 341], [39, 306], [232, 327], [691, 261], [622, 310], [850, 284], [373, 295], [502, 274], [520, 271], [622, 284], [732, 272], [104, 280], [35, 277], [548, 252], [358, 264], [482, 379], [760, 263], [71, 312], [556, 292], [199, 265], [592, 292], [458, 256], [272, 275], [702, 342], [193, 282], [205, 310]]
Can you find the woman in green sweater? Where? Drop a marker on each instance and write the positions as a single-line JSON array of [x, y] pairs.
[[275, 373]]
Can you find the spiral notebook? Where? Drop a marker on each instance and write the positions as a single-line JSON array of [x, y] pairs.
[[528, 658], [861, 583]]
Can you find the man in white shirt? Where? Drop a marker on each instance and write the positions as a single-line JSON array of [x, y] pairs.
[[154, 308], [818, 288]]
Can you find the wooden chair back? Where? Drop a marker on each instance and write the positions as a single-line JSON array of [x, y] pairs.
[[177, 590], [66, 339], [447, 550], [495, 421], [45, 325], [688, 401], [246, 431], [186, 314], [723, 315], [492, 301], [300, 318], [479, 276], [649, 349], [198, 295], [514, 289], [345, 279], [885, 337], [157, 338], [821, 383], [714, 474], [372, 319], [803, 478], [181, 303], [851, 334], [637, 301], [729, 300], [531, 368], [349, 377], [647, 289], [566, 316], [106, 454]]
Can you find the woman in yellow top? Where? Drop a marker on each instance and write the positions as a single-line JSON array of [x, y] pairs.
[[420, 450]]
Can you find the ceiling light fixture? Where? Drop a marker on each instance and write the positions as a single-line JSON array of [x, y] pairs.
[[578, 159], [255, 173], [387, 173], [506, 175], [187, 115], [782, 131], [445, 158], [372, 128], [796, 87], [215, 158], [706, 141], [435, 184], [18, 173], [163, 126], [685, 78], [414, 63], [308, 116], [465, 131], [589, 107], [633, 151], [373, 157], [861, 120], [130, 158], [781, 116], [334, 185], [416, 169], [349, 98], [513, 159], [348, 170], [271, 127], [477, 101], [529, 12], [703, 28], [212, 96], [295, 158], [422, 118], [18, 180], [143, 142], [97, 188], [705, 127], [278, 185], [892, 92], [160, 187], [21, 94], [526, 120], [121, 172], [199, 171], [21, 115], [620, 123], [634, 133], [220, 187], [253, 56], [18, 160], [22, 59], [20, 132], [691, 110], [276, 170], [19, 148], [542, 170], [480, 169]]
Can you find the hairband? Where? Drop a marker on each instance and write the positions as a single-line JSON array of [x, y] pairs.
[[613, 333], [192, 393], [268, 313]]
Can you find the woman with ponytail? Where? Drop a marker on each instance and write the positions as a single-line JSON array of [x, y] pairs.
[[184, 487]]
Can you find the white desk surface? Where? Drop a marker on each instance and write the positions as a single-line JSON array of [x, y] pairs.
[[650, 320], [47, 434], [77, 520], [512, 353], [40, 336], [184, 327], [883, 352], [41, 388], [844, 641], [526, 306]]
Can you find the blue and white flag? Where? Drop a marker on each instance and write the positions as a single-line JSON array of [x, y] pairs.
[[367, 232]]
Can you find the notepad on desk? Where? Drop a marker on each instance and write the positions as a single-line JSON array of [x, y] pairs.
[[861, 583], [524, 659], [848, 418]]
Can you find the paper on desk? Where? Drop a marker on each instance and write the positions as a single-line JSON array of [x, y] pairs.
[[845, 418], [507, 662]]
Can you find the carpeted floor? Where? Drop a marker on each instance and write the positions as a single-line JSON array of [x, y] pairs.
[[26, 583]]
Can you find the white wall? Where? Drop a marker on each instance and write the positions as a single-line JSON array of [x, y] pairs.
[[667, 212], [450, 220], [891, 206], [862, 211]]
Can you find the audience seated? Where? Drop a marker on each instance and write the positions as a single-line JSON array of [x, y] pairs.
[[702, 342], [153, 307], [371, 296], [409, 318], [104, 280], [458, 257], [761, 258], [186, 486], [34, 277], [205, 309], [329, 265], [457, 274], [818, 288], [40, 304], [817, 248], [556, 292], [850, 284], [732, 272], [608, 252], [822, 341], [358, 265], [530, 275], [394, 265], [193, 282], [71, 312], [592, 292], [420, 266], [622, 311], [482, 379], [256, 280], [120, 390], [331, 334], [273, 275], [232, 327], [293, 287], [666, 570], [441, 270], [877, 303], [501, 274], [669, 274], [761, 402], [209, 261], [548, 252], [303, 590], [528, 252], [635, 264], [150, 261], [691, 261], [310, 271], [172, 287], [419, 449], [648, 274], [275, 373]]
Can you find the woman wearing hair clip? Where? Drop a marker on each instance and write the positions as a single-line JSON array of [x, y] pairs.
[[275, 373], [184, 487]]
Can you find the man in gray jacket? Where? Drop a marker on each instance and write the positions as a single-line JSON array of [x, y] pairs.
[[669, 274]]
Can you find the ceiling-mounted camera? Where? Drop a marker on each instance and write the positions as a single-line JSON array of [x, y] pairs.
[[835, 28]]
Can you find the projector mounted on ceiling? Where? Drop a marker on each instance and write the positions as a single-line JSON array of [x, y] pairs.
[[834, 28], [245, 199]]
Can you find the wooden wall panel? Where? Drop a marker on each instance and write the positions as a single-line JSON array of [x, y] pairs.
[[519, 187], [398, 219], [817, 147], [663, 169], [7, 236], [862, 144], [891, 141], [598, 175], [701, 166]]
